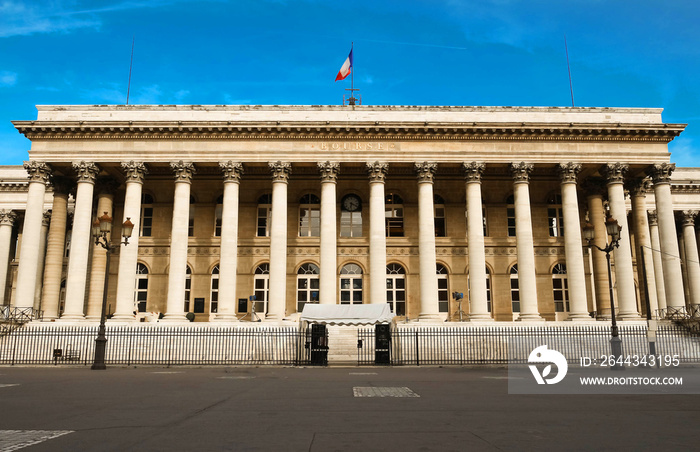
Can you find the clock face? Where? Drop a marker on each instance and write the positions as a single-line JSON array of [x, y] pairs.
[[351, 203]]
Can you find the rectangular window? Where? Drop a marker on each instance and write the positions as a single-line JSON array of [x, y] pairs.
[[199, 305], [510, 212], [263, 221], [147, 221], [350, 224]]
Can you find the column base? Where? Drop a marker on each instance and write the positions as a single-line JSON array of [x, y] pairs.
[[225, 318], [175, 318], [629, 316], [71, 318], [579, 316], [122, 318], [529, 318], [480, 318]]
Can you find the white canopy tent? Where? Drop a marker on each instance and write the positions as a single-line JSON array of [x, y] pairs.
[[346, 314]]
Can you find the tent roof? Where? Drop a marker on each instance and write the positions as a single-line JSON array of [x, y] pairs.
[[347, 314]]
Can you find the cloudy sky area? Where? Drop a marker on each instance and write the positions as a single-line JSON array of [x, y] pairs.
[[642, 53]]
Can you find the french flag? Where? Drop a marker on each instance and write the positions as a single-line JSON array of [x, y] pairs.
[[346, 69]]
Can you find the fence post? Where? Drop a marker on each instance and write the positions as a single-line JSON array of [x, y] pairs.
[[417, 351]]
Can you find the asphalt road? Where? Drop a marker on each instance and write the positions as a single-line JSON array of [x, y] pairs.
[[316, 409]]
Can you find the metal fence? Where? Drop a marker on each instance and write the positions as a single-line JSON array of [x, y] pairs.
[[167, 346], [502, 345]]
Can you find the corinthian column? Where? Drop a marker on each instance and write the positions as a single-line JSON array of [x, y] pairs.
[[656, 257], [175, 309], [573, 247], [81, 240], [55, 247], [31, 232], [128, 254], [228, 265], [524, 241], [624, 274], [691, 255], [45, 222], [7, 220], [638, 190], [377, 234], [277, 302], [327, 278], [426, 242], [595, 188], [670, 255], [105, 186], [478, 302]]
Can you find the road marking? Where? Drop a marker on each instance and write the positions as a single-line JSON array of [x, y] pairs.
[[504, 378], [11, 440], [363, 373], [235, 378], [166, 373], [8, 385], [359, 391]]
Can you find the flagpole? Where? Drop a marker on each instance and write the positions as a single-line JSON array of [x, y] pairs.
[[131, 64], [352, 71], [568, 67]]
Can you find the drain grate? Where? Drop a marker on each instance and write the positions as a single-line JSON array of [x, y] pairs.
[[359, 391]]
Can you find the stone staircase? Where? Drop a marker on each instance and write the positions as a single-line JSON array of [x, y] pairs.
[[342, 345]]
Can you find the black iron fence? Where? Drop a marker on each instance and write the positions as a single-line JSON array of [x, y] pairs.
[[167, 346], [19, 315], [502, 345]]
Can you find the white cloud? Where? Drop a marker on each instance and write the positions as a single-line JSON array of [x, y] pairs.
[[8, 78]]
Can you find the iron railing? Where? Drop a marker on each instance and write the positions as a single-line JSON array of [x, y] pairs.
[[166, 346], [19, 315], [504, 345]]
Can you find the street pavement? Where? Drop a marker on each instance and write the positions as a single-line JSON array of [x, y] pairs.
[[324, 409]]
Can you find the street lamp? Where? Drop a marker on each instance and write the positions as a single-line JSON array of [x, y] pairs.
[[101, 228], [613, 228]]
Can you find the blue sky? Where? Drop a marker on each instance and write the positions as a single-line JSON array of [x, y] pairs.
[[643, 53]]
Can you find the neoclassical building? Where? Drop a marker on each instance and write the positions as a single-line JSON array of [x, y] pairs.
[[403, 205]]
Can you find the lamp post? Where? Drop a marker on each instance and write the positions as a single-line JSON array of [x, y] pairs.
[[613, 228], [101, 228]]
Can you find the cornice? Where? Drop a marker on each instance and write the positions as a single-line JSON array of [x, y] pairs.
[[408, 131]]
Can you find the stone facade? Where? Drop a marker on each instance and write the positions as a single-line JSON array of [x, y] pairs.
[[314, 199]]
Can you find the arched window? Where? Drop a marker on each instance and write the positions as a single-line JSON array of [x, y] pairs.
[[188, 287], [307, 285], [439, 206], [488, 288], [218, 212], [263, 217], [141, 292], [514, 288], [351, 284], [393, 213], [190, 224], [262, 286], [309, 216], [560, 286], [146, 215], [510, 214], [214, 300], [351, 216], [555, 216], [396, 288], [443, 289]]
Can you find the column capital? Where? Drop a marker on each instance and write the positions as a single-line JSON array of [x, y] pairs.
[[661, 172], [689, 217], [425, 171], [614, 173], [7, 217], [184, 171], [639, 186], [106, 185], [280, 170], [46, 218], [62, 185], [521, 171], [568, 172], [135, 171], [85, 171], [329, 171], [473, 171], [653, 220], [377, 171], [38, 171], [232, 171]]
